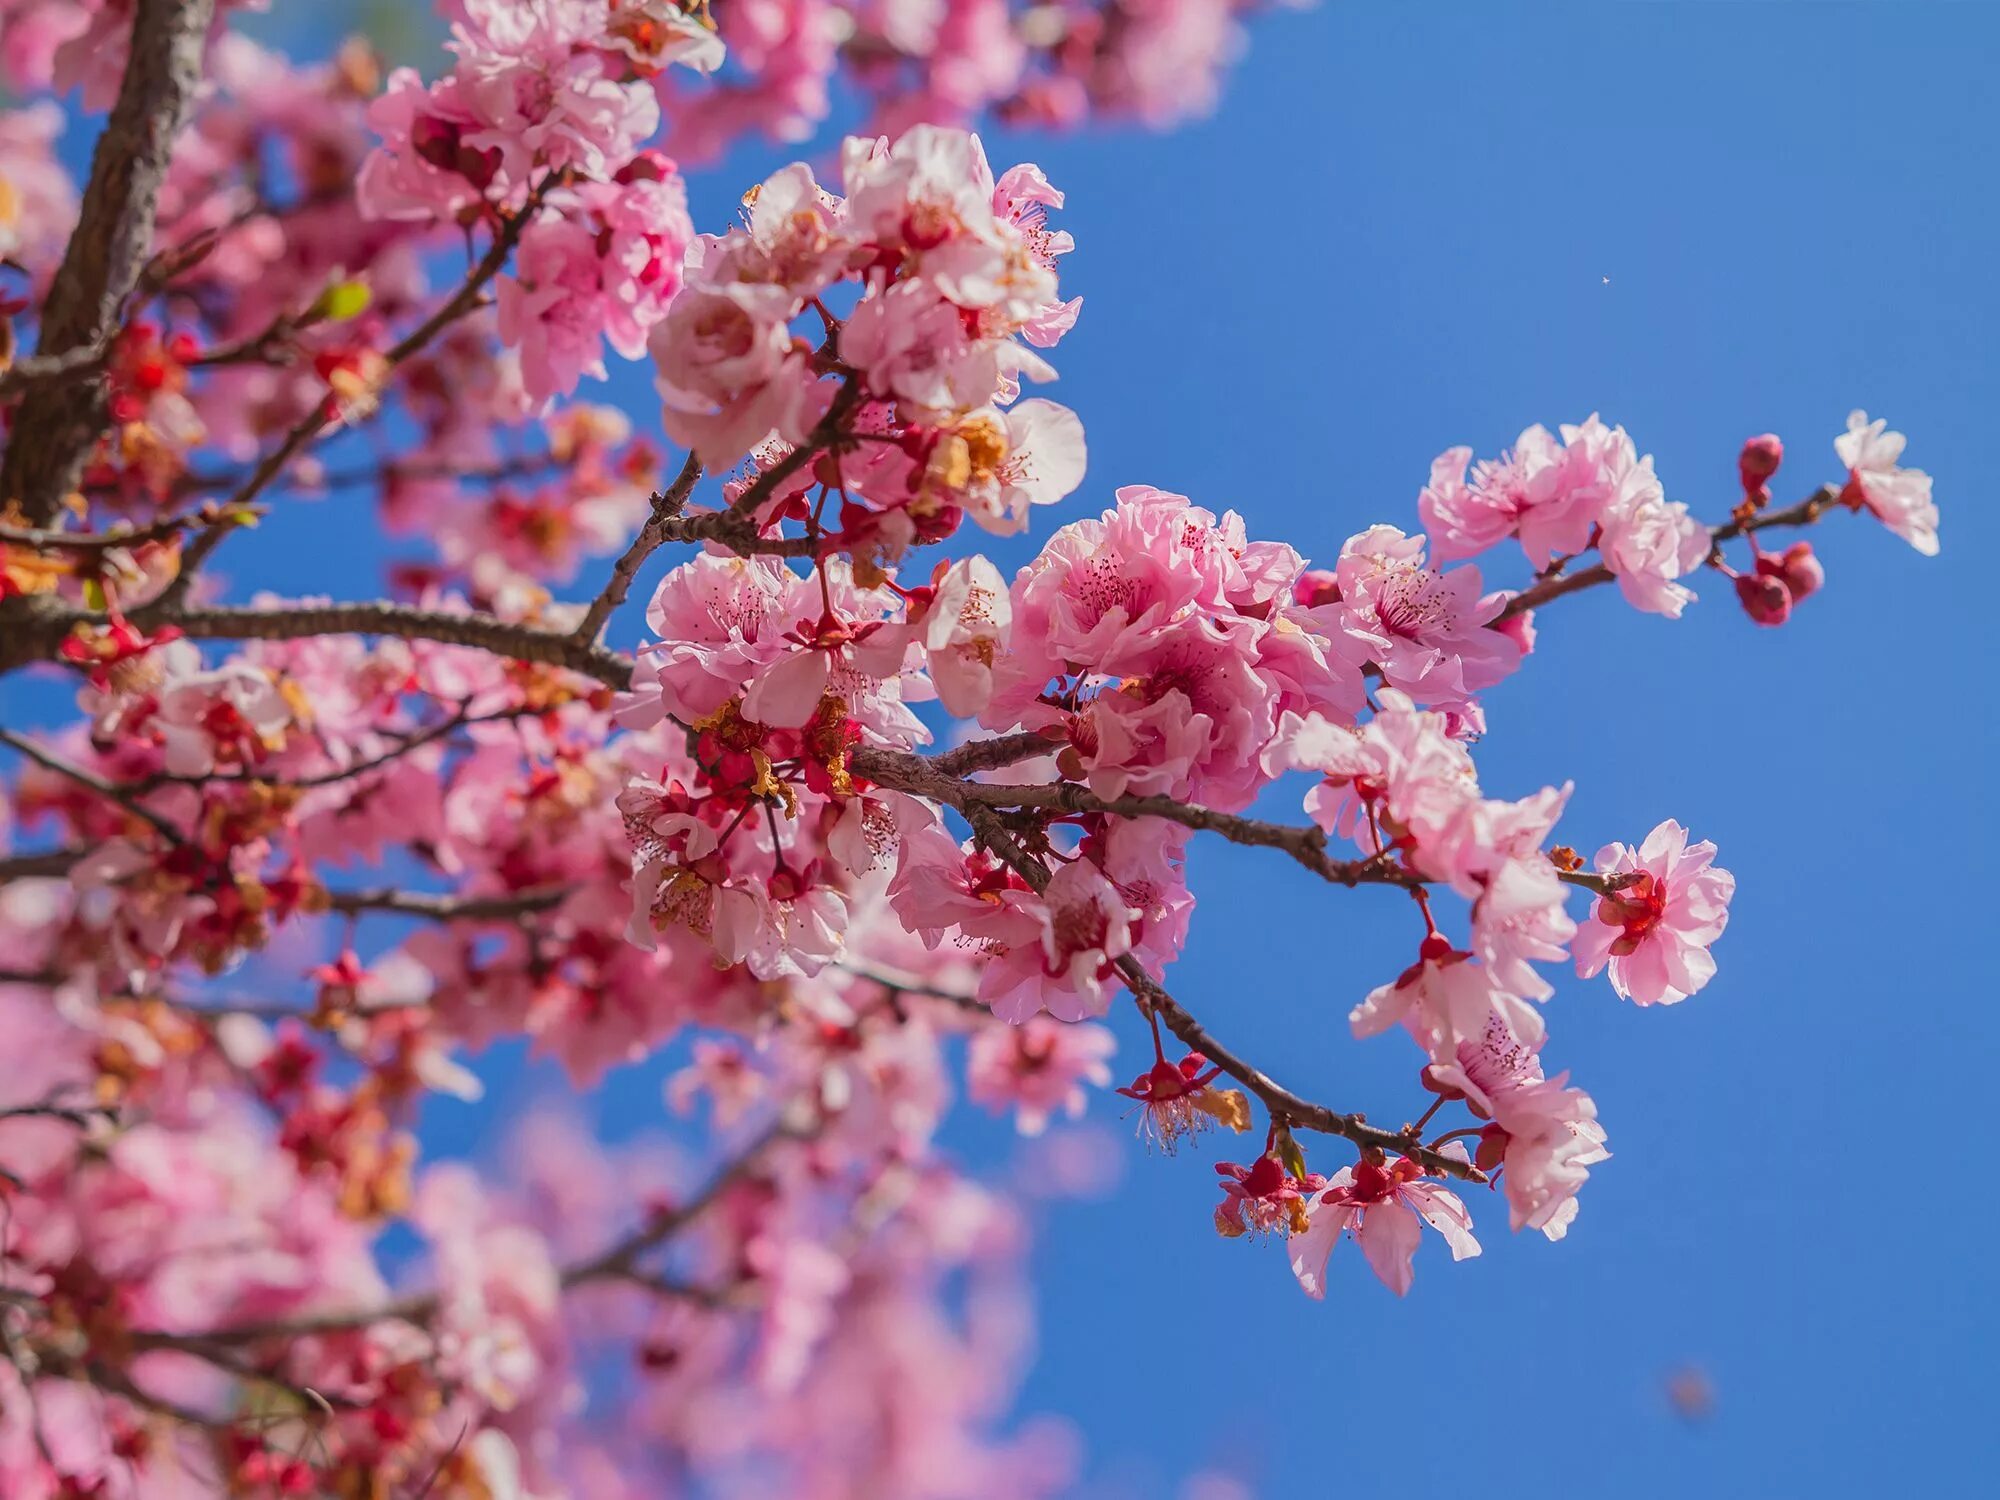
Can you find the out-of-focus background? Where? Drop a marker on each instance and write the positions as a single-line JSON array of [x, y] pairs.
[[1408, 227]]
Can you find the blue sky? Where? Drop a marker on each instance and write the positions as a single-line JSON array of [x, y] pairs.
[[1394, 237]]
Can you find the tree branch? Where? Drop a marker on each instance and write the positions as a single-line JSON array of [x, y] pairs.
[[449, 908], [116, 795], [1554, 584], [615, 1262], [1283, 1104], [59, 419], [288, 622], [666, 507]]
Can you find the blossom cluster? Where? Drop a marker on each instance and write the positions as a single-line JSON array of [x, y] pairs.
[[865, 820]]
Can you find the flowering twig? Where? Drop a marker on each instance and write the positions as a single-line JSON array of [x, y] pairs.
[[667, 507], [449, 908], [59, 419], [1551, 583], [1283, 1104], [118, 796]]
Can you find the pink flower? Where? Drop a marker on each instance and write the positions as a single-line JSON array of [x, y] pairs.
[[719, 621], [1444, 1000], [656, 33], [1655, 932], [914, 347], [543, 95], [1650, 542], [1545, 1136], [1083, 926], [1401, 776], [1039, 1068], [730, 374], [1176, 1101], [37, 199], [1900, 497], [549, 307], [958, 627], [1546, 492], [1385, 1208], [1520, 920], [931, 196], [997, 466], [1426, 629], [1263, 1197]]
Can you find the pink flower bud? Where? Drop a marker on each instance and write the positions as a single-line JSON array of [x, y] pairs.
[[1798, 569], [1759, 461], [1764, 598], [1520, 629]]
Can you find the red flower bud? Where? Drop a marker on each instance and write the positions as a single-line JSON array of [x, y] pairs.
[[1797, 568], [1759, 461], [1764, 598]]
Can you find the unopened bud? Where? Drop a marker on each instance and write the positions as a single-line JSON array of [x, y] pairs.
[[1797, 568], [1764, 598], [1758, 461]]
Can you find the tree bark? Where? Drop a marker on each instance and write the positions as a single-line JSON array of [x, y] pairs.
[[59, 421]]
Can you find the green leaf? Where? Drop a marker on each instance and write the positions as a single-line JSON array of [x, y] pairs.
[[340, 301]]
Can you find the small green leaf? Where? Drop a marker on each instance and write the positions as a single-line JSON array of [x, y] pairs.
[[340, 301]]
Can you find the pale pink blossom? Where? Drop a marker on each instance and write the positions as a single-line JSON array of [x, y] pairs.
[[1649, 542], [1427, 630], [1653, 933], [1547, 492], [1081, 927], [1545, 1133], [1385, 1208], [1900, 497], [1038, 1068], [1445, 999], [1399, 776]]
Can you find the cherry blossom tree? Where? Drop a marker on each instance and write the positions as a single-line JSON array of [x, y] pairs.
[[858, 814]]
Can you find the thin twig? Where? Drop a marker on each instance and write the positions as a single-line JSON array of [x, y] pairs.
[[667, 506], [1283, 1104], [90, 781]]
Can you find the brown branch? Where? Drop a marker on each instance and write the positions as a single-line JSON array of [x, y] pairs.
[[59, 420], [442, 908], [666, 508], [46, 864], [72, 364], [1307, 845], [90, 781], [286, 622], [1284, 1105], [617, 1261], [409, 744], [1554, 584], [993, 754], [40, 539], [736, 527]]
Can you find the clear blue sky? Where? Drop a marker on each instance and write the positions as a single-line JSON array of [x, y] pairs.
[[1393, 237]]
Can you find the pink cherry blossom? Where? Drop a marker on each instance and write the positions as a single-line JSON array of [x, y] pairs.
[[37, 200], [1900, 497], [1384, 1207], [1426, 629], [1649, 542], [1654, 931], [1545, 1134], [1038, 1068], [1081, 927]]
